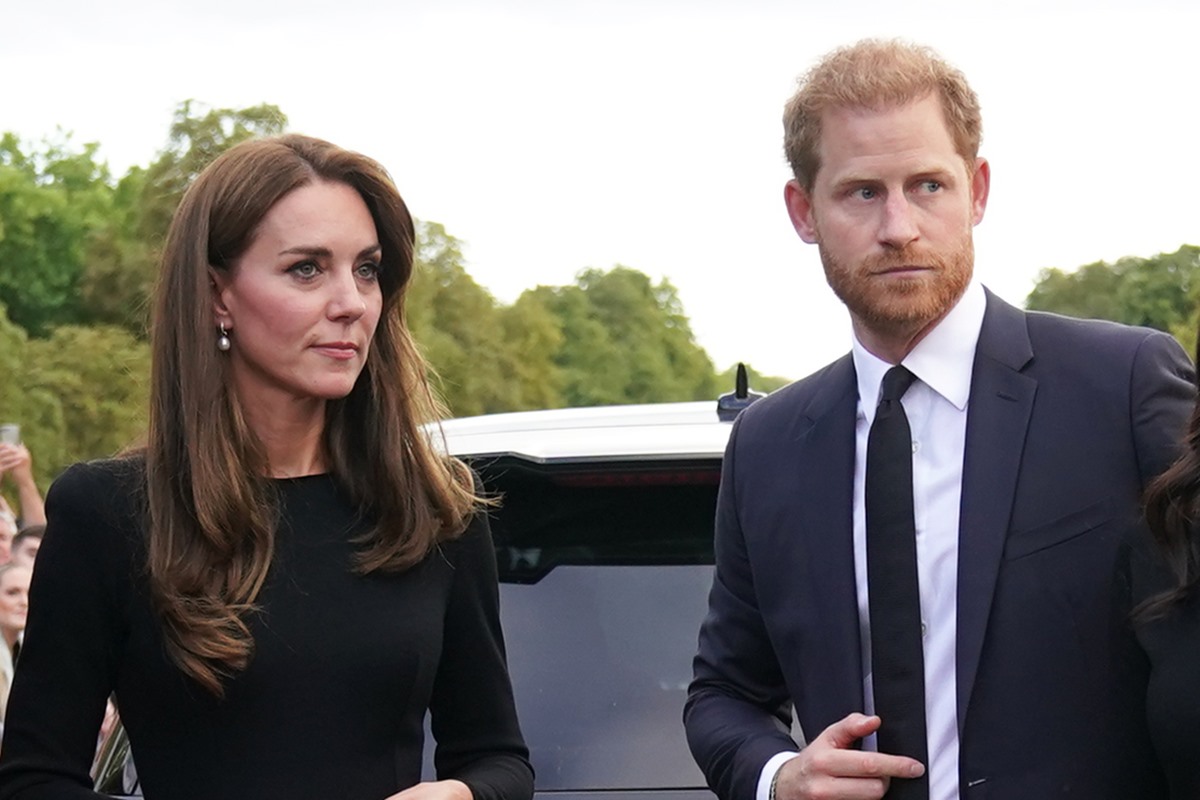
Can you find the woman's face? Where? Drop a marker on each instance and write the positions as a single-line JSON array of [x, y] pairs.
[[14, 598], [301, 304]]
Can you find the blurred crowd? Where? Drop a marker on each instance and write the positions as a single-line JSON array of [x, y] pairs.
[[20, 537]]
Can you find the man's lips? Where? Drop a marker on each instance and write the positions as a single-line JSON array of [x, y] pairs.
[[902, 269]]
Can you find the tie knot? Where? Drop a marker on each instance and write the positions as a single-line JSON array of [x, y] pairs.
[[896, 383]]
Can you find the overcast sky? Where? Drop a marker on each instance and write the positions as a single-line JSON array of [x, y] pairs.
[[555, 136]]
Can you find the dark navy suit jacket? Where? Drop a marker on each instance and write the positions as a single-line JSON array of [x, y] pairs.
[[1067, 421]]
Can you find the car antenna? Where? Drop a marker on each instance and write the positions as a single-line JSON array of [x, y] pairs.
[[729, 405]]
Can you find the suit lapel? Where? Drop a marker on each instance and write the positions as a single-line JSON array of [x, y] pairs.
[[826, 486], [999, 409]]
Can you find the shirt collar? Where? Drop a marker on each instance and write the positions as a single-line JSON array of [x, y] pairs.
[[942, 360]]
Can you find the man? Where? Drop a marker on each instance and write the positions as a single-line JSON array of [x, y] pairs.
[[25, 545], [1027, 441]]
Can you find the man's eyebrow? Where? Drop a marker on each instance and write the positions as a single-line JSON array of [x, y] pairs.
[[941, 172]]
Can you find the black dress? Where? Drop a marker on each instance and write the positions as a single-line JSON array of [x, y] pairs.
[[1172, 644], [332, 703]]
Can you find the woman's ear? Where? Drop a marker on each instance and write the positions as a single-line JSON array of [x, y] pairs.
[[218, 281]]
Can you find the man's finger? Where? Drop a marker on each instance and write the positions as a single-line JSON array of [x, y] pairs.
[[860, 764], [848, 730]]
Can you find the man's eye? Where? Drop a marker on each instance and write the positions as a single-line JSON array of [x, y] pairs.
[[931, 186], [865, 193]]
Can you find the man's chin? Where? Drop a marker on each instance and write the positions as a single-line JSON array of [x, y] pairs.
[[907, 309]]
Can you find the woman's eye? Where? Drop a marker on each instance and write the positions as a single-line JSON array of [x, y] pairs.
[[368, 270], [305, 269]]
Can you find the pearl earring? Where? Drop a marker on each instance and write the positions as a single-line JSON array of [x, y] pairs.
[[223, 343]]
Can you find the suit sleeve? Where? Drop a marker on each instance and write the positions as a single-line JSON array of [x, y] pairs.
[[67, 665], [737, 714], [473, 714], [1163, 394]]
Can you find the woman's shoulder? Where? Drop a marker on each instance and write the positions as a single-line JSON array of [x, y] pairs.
[[103, 474], [107, 494]]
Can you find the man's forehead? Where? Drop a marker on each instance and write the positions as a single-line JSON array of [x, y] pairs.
[[911, 135]]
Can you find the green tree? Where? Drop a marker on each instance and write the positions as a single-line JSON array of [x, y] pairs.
[[591, 368], [533, 335], [79, 394], [626, 340], [463, 332], [95, 380], [1159, 292], [52, 201]]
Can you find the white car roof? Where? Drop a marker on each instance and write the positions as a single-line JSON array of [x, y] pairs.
[[606, 433]]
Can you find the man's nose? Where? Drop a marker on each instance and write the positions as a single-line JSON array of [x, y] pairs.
[[899, 225]]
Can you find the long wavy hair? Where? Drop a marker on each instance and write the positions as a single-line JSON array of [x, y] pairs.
[[1172, 503], [211, 509]]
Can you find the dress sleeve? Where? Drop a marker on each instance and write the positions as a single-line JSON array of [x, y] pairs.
[[473, 714], [68, 661]]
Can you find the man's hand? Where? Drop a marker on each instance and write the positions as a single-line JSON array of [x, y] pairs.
[[435, 790], [827, 770]]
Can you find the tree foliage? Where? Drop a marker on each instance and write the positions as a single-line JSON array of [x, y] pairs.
[[1161, 292], [460, 329], [611, 337], [625, 340], [52, 201], [81, 393]]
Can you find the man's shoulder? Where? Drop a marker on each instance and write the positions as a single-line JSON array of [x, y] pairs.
[[1046, 323], [807, 397], [1099, 344]]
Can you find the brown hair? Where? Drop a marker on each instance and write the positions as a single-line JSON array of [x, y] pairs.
[[876, 74], [212, 510]]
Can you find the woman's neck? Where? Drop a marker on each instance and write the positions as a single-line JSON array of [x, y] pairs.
[[292, 436]]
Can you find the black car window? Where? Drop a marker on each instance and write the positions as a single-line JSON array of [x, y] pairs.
[[620, 513], [605, 572]]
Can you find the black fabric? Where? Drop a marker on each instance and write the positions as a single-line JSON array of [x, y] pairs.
[[332, 702], [1171, 641], [897, 659]]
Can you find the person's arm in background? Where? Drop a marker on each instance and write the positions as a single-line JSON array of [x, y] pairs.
[[16, 463]]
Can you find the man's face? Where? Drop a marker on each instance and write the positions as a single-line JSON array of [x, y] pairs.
[[891, 209], [26, 552]]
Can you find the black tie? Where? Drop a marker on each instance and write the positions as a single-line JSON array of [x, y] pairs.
[[897, 660]]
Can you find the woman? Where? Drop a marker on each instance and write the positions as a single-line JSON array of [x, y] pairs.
[[291, 574], [1169, 617], [14, 605]]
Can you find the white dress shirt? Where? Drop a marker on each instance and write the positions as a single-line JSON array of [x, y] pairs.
[[936, 406]]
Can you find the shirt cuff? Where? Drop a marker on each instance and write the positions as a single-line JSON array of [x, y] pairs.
[[768, 773]]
